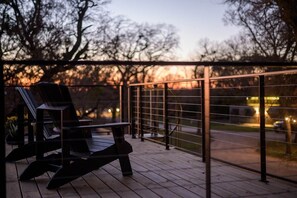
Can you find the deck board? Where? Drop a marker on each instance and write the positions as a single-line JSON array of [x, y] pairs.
[[156, 173]]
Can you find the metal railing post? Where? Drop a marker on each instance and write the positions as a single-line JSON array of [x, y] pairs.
[[140, 114], [151, 110], [155, 110], [262, 127], [2, 135], [131, 112], [165, 115], [122, 98], [202, 120], [207, 130], [137, 111]]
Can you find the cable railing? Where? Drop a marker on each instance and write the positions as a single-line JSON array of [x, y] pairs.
[[253, 119], [219, 116]]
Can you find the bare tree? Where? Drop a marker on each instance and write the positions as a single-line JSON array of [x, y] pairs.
[[288, 11], [268, 35], [272, 37], [126, 40], [237, 48], [122, 39], [74, 30], [47, 30]]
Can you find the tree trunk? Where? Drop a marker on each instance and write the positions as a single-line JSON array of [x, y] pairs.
[[288, 137]]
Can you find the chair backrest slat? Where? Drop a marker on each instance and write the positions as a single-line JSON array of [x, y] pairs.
[[28, 100], [55, 95], [32, 105]]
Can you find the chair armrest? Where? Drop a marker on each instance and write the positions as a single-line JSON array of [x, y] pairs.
[[85, 121], [50, 108], [108, 125]]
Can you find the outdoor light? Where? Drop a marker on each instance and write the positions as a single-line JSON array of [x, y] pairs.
[[118, 110], [287, 118], [257, 110], [109, 110]]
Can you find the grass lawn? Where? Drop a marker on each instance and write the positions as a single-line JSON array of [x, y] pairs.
[[192, 142], [186, 141], [278, 149], [236, 127]]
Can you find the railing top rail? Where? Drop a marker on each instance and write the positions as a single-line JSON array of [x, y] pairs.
[[166, 82], [72, 85], [272, 73], [147, 63], [286, 72]]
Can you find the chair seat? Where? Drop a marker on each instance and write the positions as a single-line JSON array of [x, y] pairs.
[[99, 143]]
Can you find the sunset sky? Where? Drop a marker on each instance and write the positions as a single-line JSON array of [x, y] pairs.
[[194, 19]]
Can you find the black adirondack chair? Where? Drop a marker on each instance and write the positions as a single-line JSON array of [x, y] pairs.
[[80, 154], [26, 148]]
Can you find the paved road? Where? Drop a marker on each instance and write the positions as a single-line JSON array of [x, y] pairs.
[[243, 148]]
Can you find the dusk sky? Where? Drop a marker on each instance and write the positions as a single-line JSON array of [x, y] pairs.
[[194, 19]]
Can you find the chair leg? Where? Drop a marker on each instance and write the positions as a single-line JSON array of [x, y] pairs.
[[81, 167], [125, 165], [65, 175], [23, 152], [77, 169], [123, 149], [38, 167], [28, 150], [34, 169]]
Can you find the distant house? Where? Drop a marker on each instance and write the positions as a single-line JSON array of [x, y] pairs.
[[250, 112]]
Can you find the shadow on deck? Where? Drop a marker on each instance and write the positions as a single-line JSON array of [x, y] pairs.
[[157, 173]]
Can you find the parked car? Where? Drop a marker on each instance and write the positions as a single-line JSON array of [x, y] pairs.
[[280, 126]]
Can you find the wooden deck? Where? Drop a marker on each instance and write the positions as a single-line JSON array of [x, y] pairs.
[[157, 173]]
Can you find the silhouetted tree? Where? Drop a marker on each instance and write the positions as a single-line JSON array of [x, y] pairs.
[[288, 11], [129, 41], [122, 39], [269, 27], [43, 29], [236, 48], [268, 33]]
